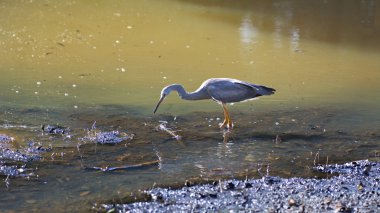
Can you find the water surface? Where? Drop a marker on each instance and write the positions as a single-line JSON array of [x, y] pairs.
[[75, 62]]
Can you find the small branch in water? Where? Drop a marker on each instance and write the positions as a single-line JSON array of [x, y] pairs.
[[316, 158], [7, 182], [163, 127], [134, 166], [159, 160], [93, 127], [260, 167]]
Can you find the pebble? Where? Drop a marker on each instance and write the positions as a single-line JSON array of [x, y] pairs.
[[82, 194]]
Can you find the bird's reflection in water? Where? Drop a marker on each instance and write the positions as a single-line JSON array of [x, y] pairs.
[[224, 149], [227, 135]]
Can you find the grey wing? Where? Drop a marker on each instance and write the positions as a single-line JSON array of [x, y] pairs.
[[261, 90], [229, 91]]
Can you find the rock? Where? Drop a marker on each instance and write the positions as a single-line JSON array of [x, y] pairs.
[[5, 138], [13, 162], [112, 137], [55, 129]]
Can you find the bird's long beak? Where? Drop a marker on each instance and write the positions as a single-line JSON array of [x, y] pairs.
[[159, 102]]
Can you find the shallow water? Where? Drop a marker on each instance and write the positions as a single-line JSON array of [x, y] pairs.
[[75, 63]]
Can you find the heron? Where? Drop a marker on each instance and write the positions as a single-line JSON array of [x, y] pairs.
[[222, 91]]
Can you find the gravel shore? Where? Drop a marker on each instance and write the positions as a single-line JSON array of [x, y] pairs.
[[355, 189]]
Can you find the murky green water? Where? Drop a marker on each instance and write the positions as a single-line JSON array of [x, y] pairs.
[[77, 62]]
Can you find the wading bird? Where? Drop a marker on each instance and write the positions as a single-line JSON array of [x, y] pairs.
[[221, 90]]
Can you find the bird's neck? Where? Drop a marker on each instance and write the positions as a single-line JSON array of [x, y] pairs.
[[185, 95]]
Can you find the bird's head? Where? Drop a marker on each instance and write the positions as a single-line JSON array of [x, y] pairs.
[[164, 92]]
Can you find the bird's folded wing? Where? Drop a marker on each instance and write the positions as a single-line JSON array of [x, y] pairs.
[[231, 92]]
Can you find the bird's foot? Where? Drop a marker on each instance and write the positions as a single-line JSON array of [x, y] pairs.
[[221, 125], [230, 125], [227, 125]]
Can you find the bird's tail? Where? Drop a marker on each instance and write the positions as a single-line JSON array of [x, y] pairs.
[[263, 90]]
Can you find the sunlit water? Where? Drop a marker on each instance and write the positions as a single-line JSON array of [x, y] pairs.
[[77, 62]]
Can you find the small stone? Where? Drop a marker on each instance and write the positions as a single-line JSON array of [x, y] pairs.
[[327, 200], [31, 201], [292, 202], [213, 195], [82, 194], [360, 186], [230, 186], [341, 207], [248, 185]]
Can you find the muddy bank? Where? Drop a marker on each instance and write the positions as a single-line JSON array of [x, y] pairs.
[[355, 189]]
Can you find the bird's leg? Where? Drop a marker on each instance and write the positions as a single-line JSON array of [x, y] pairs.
[[221, 125], [227, 120]]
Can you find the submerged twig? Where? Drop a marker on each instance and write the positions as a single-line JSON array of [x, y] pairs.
[[7, 182], [93, 127], [163, 127], [134, 166], [316, 158], [260, 167]]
